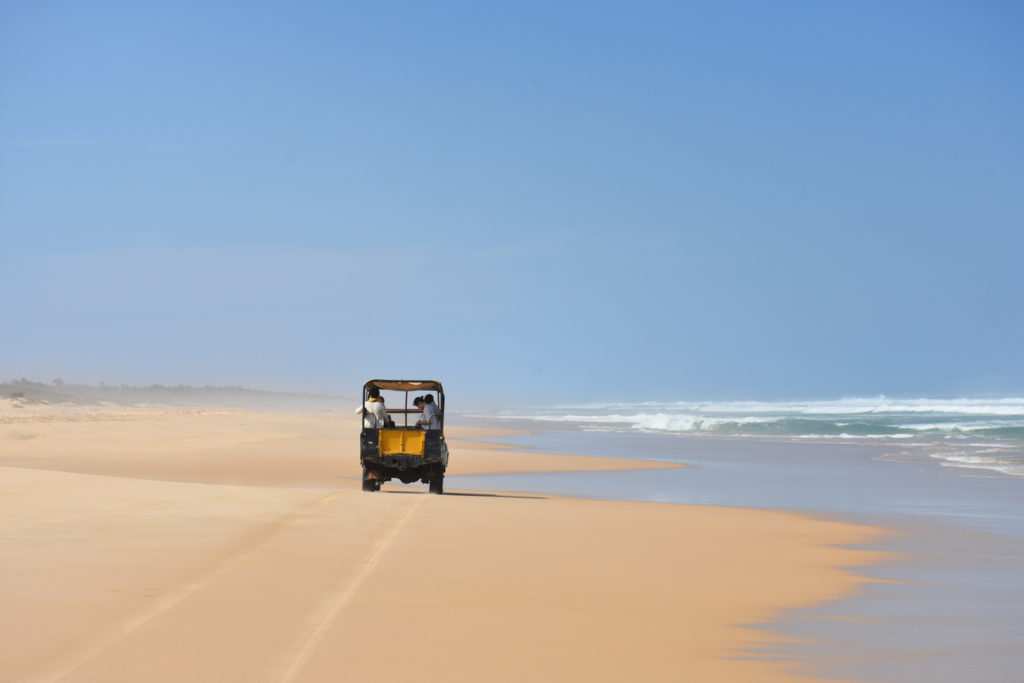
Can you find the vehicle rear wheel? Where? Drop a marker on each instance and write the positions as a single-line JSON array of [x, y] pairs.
[[437, 484], [369, 484]]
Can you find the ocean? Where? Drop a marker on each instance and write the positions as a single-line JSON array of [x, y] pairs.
[[968, 433]]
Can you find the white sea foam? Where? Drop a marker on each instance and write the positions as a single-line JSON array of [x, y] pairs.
[[986, 459], [987, 434], [657, 422], [848, 418], [845, 406], [963, 426], [687, 423], [856, 436]]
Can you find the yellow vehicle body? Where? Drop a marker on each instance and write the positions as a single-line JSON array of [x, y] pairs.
[[402, 442]]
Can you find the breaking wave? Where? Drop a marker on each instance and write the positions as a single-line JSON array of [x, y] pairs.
[[943, 422]]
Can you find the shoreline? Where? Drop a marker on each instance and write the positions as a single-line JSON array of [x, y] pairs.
[[589, 588], [947, 605]]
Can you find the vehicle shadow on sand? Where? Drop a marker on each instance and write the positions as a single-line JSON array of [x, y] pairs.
[[467, 493]]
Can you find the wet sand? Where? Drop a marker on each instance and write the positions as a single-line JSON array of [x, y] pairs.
[[168, 545]]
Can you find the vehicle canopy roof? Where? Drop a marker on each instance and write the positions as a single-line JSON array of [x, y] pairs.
[[405, 384]]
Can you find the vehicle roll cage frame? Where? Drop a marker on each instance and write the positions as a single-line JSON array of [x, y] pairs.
[[407, 386]]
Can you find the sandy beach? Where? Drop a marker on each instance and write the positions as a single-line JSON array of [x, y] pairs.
[[170, 545]]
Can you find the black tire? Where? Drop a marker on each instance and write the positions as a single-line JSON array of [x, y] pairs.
[[368, 483], [437, 484]]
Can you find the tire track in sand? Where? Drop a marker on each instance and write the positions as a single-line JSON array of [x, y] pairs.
[[111, 635], [321, 619]]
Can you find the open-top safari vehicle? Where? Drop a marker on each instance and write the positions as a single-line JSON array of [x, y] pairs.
[[394, 448]]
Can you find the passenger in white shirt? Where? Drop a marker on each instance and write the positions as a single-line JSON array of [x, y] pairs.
[[419, 403], [431, 418], [375, 415]]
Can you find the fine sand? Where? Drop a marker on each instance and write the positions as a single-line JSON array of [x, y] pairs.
[[174, 545]]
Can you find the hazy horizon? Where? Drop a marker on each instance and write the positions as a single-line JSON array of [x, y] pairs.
[[58, 386]]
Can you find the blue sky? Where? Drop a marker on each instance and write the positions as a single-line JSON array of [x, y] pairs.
[[529, 201]]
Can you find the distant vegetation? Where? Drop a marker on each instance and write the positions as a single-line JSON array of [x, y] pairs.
[[181, 395]]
